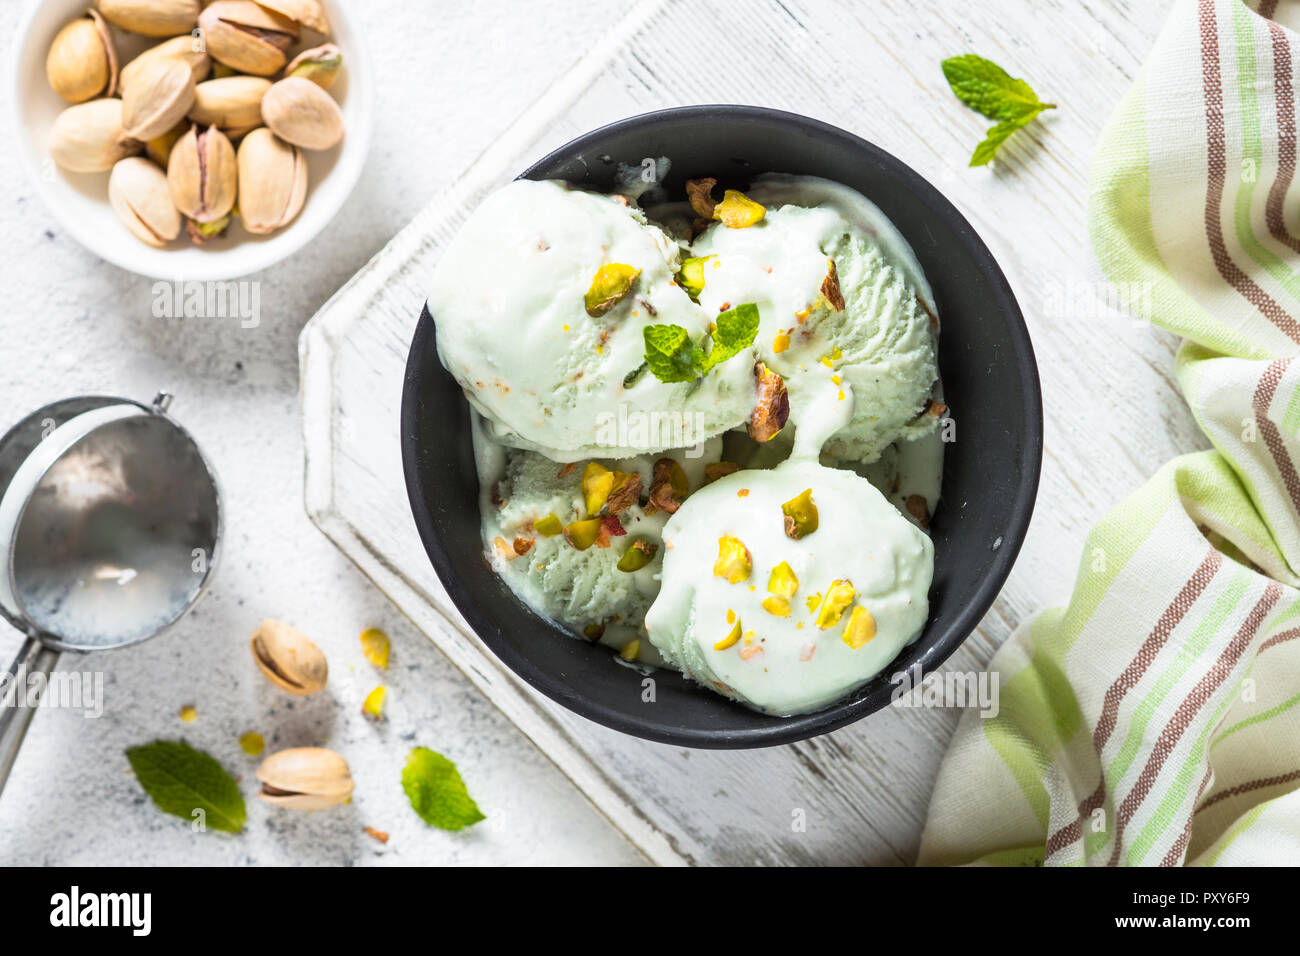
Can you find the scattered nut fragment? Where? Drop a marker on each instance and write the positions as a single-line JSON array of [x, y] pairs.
[[88, 137], [719, 469], [772, 408], [187, 48], [233, 103], [778, 606], [838, 597], [320, 64], [548, 527], [630, 650], [918, 509], [734, 560], [301, 112], [522, 545], [597, 483], [82, 62], [782, 581], [252, 744], [376, 647], [159, 149], [289, 659], [582, 534], [668, 486], [137, 191], [732, 637], [273, 182], [377, 835], [800, 515], [151, 18], [201, 174], [373, 705], [626, 493], [159, 96], [780, 341], [831, 288], [936, 408], [638, 555], [189, 714], [860, 629], [691, 275], [594, 632], [305, 778], [700, 194], [738, 211], [247, 36], [611, 284]]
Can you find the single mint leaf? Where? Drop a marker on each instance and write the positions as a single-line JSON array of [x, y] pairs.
[[670, 354], [987, 88], [182, 780], [736, 330], [994, 139], [436, 791]]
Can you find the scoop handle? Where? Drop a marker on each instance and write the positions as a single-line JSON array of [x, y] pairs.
[[16, 710]]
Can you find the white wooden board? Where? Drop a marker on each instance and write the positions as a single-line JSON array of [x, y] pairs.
[[1113, 411]]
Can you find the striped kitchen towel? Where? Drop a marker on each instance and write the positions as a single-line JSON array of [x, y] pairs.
[[1155, 720]]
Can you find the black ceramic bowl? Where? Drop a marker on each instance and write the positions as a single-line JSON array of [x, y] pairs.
[[990, 472]]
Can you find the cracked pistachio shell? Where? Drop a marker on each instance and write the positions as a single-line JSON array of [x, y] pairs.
[[152, 18], [182, 48], [201, 175], [320, 64], [247, 37], [88, 137], [273, 181], [137, 191], [305, 778], [231, 102], [82, 62], [300, 112], [289, 659], [158, 98], [306, 13]]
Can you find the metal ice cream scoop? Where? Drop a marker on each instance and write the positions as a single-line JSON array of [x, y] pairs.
[[110, 523]]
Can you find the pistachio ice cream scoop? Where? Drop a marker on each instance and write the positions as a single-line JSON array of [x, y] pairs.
[[541, 301], [845, 314], [787, 589]]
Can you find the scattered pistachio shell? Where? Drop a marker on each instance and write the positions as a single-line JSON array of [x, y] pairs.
[[252, 744], [151, 18], [734, 560], [548, 527], [612, 282], [582, 534], [307, 13], [272, 181], [738, 211], [860, 629], [82, 62], [373, 705], [630, 650], [375, 647], [800, 515], [691, 275], [137, 191], [638, 555], [187, 48], [201, 175], [732, 637], [305, 778], [246, 36], [231, 102], [289, 659], [838, 597], [159, 96], [88, 137], [320, 64]]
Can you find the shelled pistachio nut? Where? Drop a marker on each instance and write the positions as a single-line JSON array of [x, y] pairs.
[[321, 64], [183, 48], [246, 36], [151, 18], [88, 137], [305, 778], [159, 149], [273, 181], [159, 96], [137, 191], [306, 13], [231, 103], [201, 176], [300, 112], [289, 659], [82, 62]]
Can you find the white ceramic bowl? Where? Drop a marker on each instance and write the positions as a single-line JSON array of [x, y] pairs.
[[80, 200]]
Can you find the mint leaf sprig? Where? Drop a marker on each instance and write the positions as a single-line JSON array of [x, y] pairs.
[[437, 792], [673, 357], [989, 90], [190, 784]]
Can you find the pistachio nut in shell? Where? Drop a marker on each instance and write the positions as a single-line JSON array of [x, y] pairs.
[[300, 112], [88, 137], [321, 64], [158, 98], [247, 37], [273, 181], [231, 102], [305, 778], [137, 191], [307, 13], [187, 48], [288, 658], [82, 62], [201, 175], [151, 18]]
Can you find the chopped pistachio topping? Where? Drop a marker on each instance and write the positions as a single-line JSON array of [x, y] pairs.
[[638, 554], [782, 581], [373, 705], [252, 744], [838, 597], [691, 276], [582, 534], [800, 515], [732, 637], [860, 629], [813, 601], [612, 282], [594, 632], [548, 527], [597, 483], [777, 605], [630, 650], [375, 647], [734, 561], [781, 341], [738, 211]]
